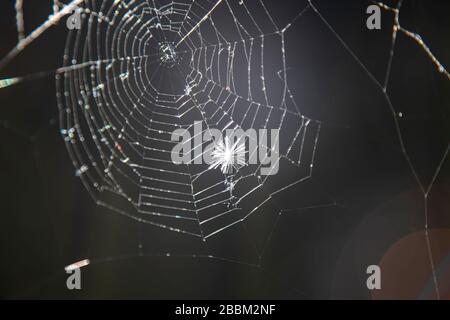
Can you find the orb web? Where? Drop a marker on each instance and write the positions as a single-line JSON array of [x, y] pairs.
[[138, 70]]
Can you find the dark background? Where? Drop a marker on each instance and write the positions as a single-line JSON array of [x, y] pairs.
[[48, 220]]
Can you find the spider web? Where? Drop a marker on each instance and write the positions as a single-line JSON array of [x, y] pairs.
[[120, 97]]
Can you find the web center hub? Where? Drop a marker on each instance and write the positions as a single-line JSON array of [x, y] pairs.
[[168, 54]]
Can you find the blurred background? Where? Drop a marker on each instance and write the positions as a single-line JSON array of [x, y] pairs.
[[48, 219]]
